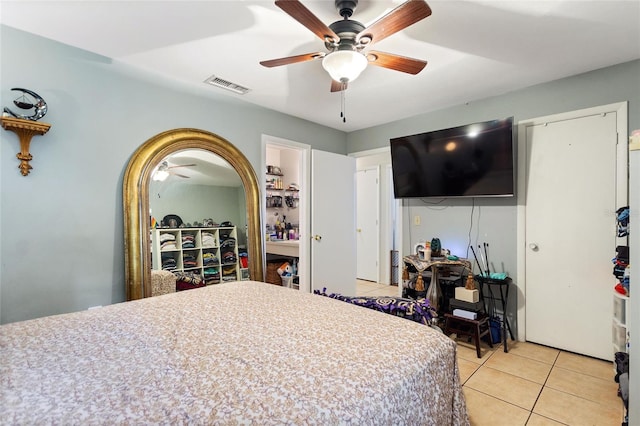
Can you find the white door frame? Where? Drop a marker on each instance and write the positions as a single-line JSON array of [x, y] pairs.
[[621, 186], [395, 215], [304, 272], [396, 221]]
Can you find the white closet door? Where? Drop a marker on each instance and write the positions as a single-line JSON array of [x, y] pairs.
[[570, 233]]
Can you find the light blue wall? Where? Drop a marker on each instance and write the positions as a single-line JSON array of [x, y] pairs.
[[61, 227], [601, 87], [458, 222], [194, 203], [494, 219]]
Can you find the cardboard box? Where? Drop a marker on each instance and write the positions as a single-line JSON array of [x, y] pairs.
[[471, 296]]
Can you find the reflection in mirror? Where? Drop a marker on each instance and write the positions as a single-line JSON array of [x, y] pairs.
[[197, 198], [200, 189]]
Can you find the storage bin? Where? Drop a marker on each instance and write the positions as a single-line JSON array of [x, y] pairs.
[[619, 311], [286, 281], [619, 336], [495, 325], [272, 276]]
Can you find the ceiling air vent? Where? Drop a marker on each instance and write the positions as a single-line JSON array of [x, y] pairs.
[[219, 82]]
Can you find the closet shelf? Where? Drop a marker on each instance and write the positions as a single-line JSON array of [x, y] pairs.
[[209, 252]]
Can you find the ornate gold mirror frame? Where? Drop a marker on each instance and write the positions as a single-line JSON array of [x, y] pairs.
[[135, 196]]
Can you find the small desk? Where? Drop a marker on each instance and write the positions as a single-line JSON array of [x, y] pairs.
[[434, 264], [496, 291]]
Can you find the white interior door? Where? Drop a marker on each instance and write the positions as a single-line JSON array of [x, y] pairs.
[[333, 239], [367, 231], [570, 233]]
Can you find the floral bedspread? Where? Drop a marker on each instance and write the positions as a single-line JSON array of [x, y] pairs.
[[233, 353]]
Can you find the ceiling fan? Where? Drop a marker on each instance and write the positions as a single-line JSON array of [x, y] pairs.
[[347, 40], [164, 170]]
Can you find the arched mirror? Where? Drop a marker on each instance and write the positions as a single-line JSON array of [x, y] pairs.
[[188, 182]]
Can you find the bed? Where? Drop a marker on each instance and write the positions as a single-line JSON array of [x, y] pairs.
[[234, 353]]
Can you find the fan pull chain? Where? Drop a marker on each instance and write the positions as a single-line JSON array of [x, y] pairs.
[[343, 102]]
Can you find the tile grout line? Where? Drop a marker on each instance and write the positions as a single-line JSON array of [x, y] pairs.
[[476, 370], [575, 372], [554, 367], [544, 385], [530, 412]]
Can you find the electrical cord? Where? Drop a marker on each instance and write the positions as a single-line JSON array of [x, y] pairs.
[[473, 206], [430, 204]]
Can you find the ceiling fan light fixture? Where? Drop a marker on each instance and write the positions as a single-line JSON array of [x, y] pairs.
[[160, 175], [344, 65]]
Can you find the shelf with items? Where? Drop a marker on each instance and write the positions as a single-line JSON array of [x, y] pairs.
[[278, 195], [621, 291], [229, 264], [211, 265], [282, 198], [292, 198], [245, 274], [210, 253], [274, 181], [620, 331], [274, 201], [619, 325], [274, 170]]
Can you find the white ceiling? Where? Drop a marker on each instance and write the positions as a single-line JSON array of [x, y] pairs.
[[197, 167], [475, 49]]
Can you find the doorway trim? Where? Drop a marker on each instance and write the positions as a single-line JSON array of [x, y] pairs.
[[375, 169], [395, 211], [304, 255], [620, 109]]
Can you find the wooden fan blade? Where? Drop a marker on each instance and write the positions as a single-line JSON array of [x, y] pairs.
[[300, 13], [408, 13], [336, 86], [182, 165], [179, 175], [292, 59], [396, 62]]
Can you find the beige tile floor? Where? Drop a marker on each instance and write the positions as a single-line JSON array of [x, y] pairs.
[[531, 384], [368, 288]]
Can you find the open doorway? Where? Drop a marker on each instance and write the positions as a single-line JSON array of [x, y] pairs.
[[285, 179], [325, 213], [368, 224], [389, 227]]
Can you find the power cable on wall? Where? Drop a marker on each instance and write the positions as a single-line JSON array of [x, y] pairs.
[[473, 206], [408, 220], [430, 205]]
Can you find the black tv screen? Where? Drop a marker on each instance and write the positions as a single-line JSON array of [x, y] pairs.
[[475, 160]]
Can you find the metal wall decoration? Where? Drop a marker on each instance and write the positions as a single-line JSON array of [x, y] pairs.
[[26, 126], [37, 103]]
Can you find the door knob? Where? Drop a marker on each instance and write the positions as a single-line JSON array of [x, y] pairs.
[[533, 246], [317, 237], [359, 229]]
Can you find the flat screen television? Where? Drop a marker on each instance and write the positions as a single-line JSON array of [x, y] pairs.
[[475, 160]]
